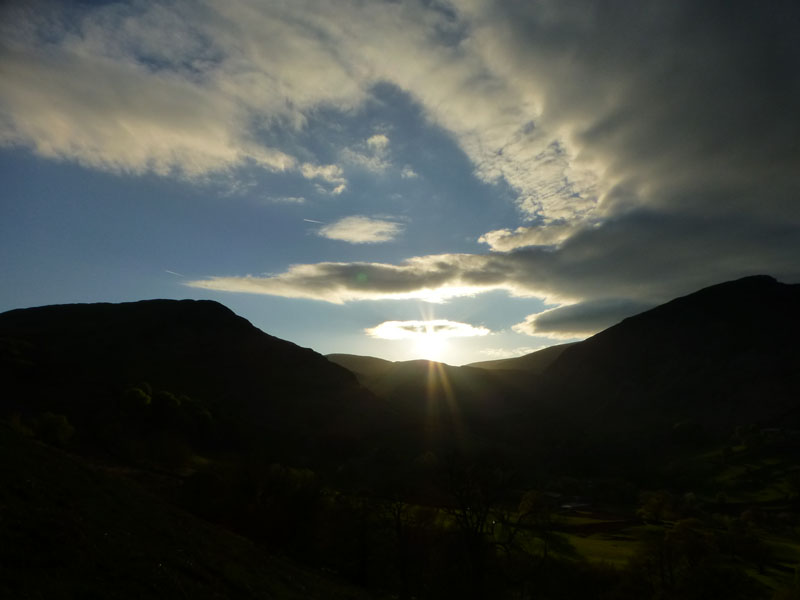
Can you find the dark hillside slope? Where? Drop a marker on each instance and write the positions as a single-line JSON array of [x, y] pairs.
[[79, 359], [440, 401], [72, 530], [724, 356]]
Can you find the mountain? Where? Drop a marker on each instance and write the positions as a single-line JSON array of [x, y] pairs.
[[535, 362], [690, 371], [86, 360], [699, 366], [723, 357], [726, 355], [141, 443]]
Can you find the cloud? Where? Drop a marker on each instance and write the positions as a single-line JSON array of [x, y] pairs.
[[408, 173], [504, 240], [635, 257], [403, 330], [362, 230], [370, 155], [378, 143], [579, 320], [74, 94], [432, 279], [177, 90], [687, 123], [650, 148], [287, 199], [331, 174], [583, 111]]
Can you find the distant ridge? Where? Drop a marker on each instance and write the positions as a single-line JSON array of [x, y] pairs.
[[361, 366], [535, 362]]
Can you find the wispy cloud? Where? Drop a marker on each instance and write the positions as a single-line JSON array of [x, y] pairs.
[[84, 93], [362, 230], [287, 199], [408, 173], [372, 154], [174, 90], [404, 330], [330, 174]]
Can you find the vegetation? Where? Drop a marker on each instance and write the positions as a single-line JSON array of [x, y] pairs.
[[169, 449]]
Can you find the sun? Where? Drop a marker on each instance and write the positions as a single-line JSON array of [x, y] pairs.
[[428, 338], [430, 345]]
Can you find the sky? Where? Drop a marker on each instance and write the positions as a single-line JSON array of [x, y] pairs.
[[462, 181]]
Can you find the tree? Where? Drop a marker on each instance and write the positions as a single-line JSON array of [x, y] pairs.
[[474, 490]]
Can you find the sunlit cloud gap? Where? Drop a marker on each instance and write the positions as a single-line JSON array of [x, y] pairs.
[[441, 328], [429, 338]]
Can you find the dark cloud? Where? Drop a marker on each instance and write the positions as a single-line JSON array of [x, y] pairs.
[[579, 320], [684, 104]]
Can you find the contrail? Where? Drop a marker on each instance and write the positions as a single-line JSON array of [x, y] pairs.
[[313, 221], [174, 273]]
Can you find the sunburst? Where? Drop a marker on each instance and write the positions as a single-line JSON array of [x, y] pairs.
[[430, 345]]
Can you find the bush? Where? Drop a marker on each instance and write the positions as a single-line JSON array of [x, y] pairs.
[[55, 429]]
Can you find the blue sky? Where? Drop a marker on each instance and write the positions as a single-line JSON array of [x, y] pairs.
[[343, 174]]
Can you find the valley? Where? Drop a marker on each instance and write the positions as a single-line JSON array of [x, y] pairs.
[[170, 448]]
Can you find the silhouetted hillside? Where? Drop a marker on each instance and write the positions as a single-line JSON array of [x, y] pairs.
[[691, 370], [86, 360], [363, 367], [535, 362], [725, 354]]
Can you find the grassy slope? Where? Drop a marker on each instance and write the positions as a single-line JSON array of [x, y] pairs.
[[69, 530], [754, 482]]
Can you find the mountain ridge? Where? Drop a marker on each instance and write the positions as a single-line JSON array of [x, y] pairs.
[[72, 359], [727, 338]]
